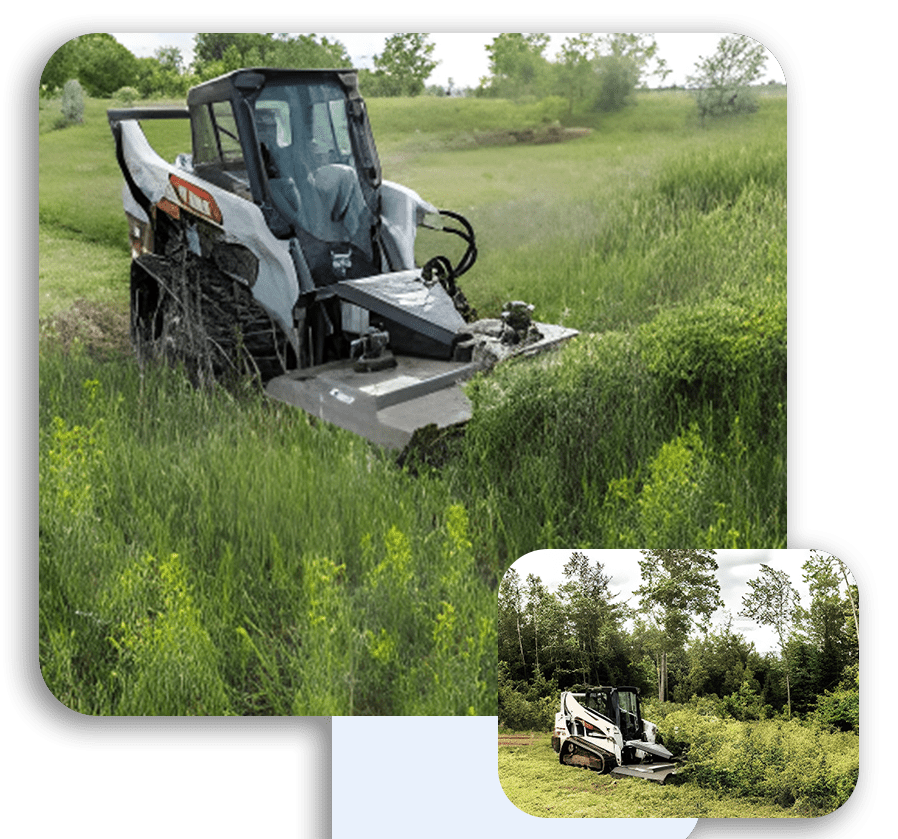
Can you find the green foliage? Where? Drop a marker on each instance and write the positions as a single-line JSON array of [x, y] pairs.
[[402, 68], [306, 51], [680, 587], [746, 703], [796, 765], [163, 74], [102, 64], [839, 709], [526, 706], [633, 477], [599, 69], [212, 47], [126, 96], [517, 65], [59, 68]]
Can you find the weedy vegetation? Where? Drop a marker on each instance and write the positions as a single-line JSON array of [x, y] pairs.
[[209, 552]]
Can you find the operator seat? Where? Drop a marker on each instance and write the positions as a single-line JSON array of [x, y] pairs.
[[292, 191]]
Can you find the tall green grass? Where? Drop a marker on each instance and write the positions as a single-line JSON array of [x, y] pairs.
[[666, 422], [205, 553]]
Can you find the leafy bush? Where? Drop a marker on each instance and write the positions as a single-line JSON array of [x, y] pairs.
[[727, 101], [746, 703], [126, 96], [839, 709], [800, 766], [527, 706], [520, 714]]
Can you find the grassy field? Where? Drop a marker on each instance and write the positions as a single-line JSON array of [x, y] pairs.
[[210, 552], [535, 782], [787, 771]]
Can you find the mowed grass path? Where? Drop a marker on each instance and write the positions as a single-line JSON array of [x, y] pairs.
[[535, 782]]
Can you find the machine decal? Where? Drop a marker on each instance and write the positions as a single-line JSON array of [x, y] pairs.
[[195, 199]]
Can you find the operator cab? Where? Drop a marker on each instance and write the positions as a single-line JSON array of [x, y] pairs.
[[298, 144], [619, 706]]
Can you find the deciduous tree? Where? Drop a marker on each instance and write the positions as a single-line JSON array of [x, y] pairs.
[[721, 81], [680, 590], [594, 619], [774, 602], [404, 65], [518, 65]]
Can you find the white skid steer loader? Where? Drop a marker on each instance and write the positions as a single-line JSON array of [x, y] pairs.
[[602, 728], [276, 248]]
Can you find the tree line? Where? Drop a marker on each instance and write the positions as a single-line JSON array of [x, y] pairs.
[[103, 66], [593, 72], [581, 633]]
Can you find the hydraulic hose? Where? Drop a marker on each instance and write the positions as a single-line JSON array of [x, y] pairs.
[[440, 268]]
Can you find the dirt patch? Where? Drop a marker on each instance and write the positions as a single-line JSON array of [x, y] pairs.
[[521, 739], [103, 330], [529, 136]]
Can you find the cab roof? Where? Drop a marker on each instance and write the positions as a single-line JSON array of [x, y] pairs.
[[239, 83]]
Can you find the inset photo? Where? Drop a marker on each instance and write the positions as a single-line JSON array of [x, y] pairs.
[[678, 683]]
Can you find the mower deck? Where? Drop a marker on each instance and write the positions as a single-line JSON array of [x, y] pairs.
[[384, 406]]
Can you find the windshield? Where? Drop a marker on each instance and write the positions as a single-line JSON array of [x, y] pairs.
[[306, 148]]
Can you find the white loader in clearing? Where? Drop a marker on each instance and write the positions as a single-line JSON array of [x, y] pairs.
[[602, 728]]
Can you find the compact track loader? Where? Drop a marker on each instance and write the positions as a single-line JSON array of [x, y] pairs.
[[276, 248], [602, 728]]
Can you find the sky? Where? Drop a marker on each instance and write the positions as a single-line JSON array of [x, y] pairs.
[[462, 55], [735, 569]]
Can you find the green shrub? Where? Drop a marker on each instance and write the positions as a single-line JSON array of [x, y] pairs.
[[797, 765], [516, 713], [126, 96], [72, 103], [839, 709]]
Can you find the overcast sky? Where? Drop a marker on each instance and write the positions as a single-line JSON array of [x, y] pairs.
[[463, 56], [736, 568]]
